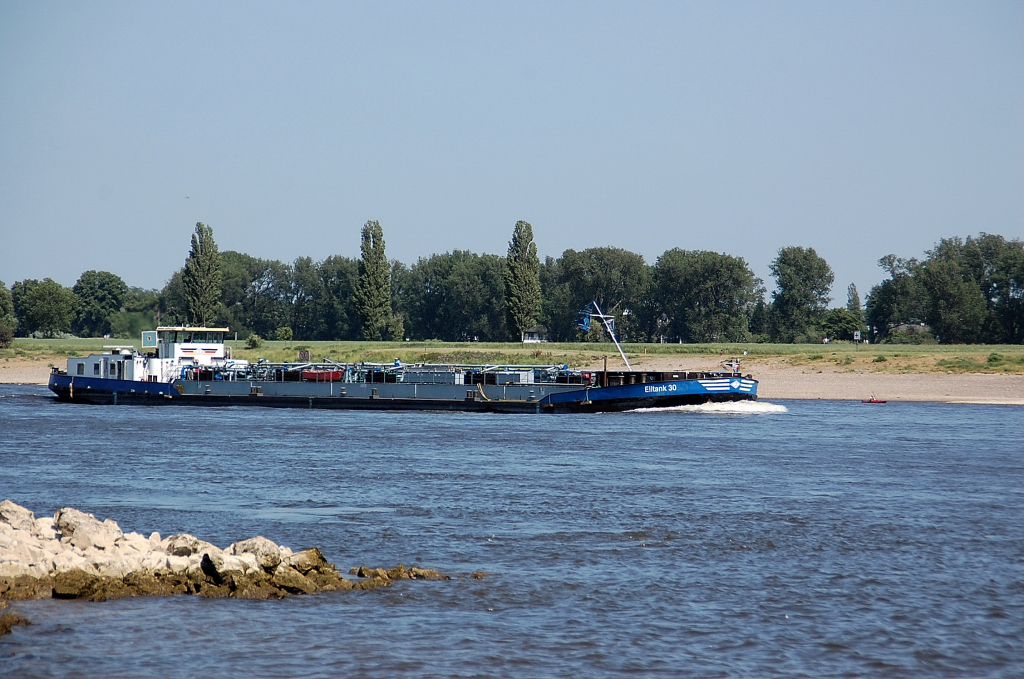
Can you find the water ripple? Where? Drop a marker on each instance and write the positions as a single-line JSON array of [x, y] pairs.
[[831, 541]]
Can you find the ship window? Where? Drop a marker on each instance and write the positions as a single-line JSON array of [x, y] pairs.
[[81, 368], [95, 368]]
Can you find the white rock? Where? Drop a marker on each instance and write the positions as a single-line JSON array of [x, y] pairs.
[[136, 542], [17, 516], [267, 553], [41, 570], [37, 555], [194, 563], [115, 565], [208, 548], [15, 553], [44, 528], [81, 541], [74, 540], [51, 547], [249, 560], [229, 562], [11, 569], [181, 544], [15, 569], [155, 561], [103, 540], [84, 530], [68, 561], [68, 519]]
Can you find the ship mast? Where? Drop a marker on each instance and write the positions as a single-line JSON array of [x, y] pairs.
[[593, 310]]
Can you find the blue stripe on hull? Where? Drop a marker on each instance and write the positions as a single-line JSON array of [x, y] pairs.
[[720, 388]]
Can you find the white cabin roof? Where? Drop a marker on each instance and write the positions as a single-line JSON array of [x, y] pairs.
[[188, 328]]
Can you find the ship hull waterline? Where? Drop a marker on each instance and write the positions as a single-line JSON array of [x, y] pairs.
[[76, 389]]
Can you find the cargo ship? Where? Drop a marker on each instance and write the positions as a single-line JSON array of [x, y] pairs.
[[182, 365]]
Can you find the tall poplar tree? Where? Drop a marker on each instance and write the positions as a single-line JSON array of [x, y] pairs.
[[201, 278], [853, 301], [373, 289], [522, 281]]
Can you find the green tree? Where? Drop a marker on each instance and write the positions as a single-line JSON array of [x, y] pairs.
[[172, 306], [19, 293], [201, 278], [49, 308], [1007, 280], [340, 276], [897, 301], [522, 281], [400, 282], [309, 320], [957, 310], [967, 290], [101, 294], [841, 324], [141, 311], [803, 281], [994, 265], [457, 296], [704, 296], [256, 294], [760, 320], [617, 279], [853, 301], [373, 292], [8, 320]]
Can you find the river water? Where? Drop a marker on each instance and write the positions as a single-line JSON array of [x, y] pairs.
[[801, 538]]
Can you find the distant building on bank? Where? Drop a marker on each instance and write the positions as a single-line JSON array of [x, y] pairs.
[[535, 335]]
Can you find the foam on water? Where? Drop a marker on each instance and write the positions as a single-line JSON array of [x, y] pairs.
[[731, 408]]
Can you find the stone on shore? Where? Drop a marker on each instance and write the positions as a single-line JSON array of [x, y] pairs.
[[9, 620], [77, 556]]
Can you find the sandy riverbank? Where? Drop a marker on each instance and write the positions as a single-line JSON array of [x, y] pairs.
[[24, 372], [777, 380]]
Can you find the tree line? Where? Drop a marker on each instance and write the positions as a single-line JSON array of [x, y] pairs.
[[966, 290]]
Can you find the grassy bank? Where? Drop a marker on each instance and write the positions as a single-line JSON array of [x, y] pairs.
[[887, 358]]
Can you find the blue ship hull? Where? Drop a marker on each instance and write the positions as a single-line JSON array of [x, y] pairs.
[[107, 391], [657, 395], [365, 396]]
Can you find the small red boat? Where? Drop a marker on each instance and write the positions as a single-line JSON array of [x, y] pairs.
[[322, 375], [873, 400]]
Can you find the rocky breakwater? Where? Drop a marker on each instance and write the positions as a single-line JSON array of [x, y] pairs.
[[74, 555]]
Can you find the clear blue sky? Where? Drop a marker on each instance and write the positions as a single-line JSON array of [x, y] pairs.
[[857, 128]]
